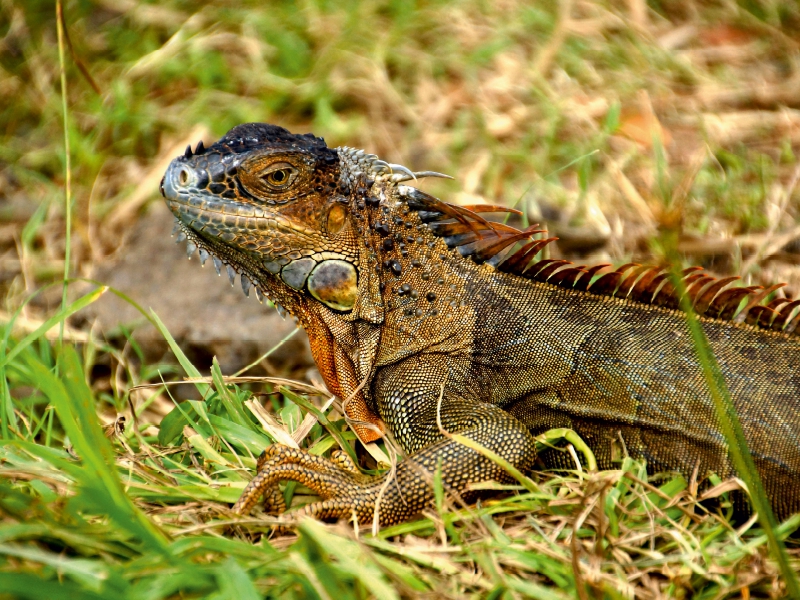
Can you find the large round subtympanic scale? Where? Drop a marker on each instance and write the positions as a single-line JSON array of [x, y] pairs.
[[296, 272], [335, 284]]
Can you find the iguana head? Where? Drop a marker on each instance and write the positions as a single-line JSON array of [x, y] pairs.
[[272, 206], [310, 226]]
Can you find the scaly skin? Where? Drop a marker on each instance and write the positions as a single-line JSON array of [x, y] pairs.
[[419, 338]]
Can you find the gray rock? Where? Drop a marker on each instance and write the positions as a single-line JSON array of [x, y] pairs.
[[198, 307]]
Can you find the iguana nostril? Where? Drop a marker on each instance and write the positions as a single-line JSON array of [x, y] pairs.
[[185, 176]]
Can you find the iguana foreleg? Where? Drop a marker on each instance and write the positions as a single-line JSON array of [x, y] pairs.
[[403, 493]]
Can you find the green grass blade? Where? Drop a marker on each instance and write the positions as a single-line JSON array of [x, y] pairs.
[[351, 557], [30, 587], [7, 416], [321, 417], [59, 317], [234, 582], [74, 404], [232, 404], [184, 361], [67, 164], [552, 435]]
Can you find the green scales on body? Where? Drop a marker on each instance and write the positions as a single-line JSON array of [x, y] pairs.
[[427, 319]]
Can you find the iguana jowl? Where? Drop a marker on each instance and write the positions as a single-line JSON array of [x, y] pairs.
[[424, 317]]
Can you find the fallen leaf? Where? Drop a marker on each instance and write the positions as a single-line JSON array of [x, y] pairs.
[[639, 128]]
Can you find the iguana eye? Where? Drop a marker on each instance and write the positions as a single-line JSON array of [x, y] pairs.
[[279, 175], [276, 179]]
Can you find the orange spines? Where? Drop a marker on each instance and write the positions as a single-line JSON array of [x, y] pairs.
[[606, 284], [582, 283], [518, 262], [464, 228], [542, 270], [566, 277], [783, 320]]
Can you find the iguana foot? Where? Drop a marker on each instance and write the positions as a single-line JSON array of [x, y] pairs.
[[345, 492]]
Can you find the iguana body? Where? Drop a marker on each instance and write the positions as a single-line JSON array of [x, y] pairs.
[[426, 322]]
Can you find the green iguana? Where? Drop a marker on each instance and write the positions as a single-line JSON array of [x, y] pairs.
[[426, 320]]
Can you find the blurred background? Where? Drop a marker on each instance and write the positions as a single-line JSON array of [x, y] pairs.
[[612, 123]]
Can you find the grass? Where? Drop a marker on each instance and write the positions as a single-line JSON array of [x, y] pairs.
[[161, 535], [547, 108], [72, 522]]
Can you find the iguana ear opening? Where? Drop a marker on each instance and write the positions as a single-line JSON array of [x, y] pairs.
[[337, 217]]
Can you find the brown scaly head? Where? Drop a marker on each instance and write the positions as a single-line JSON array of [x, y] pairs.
[[269, 206], [287, 214]]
